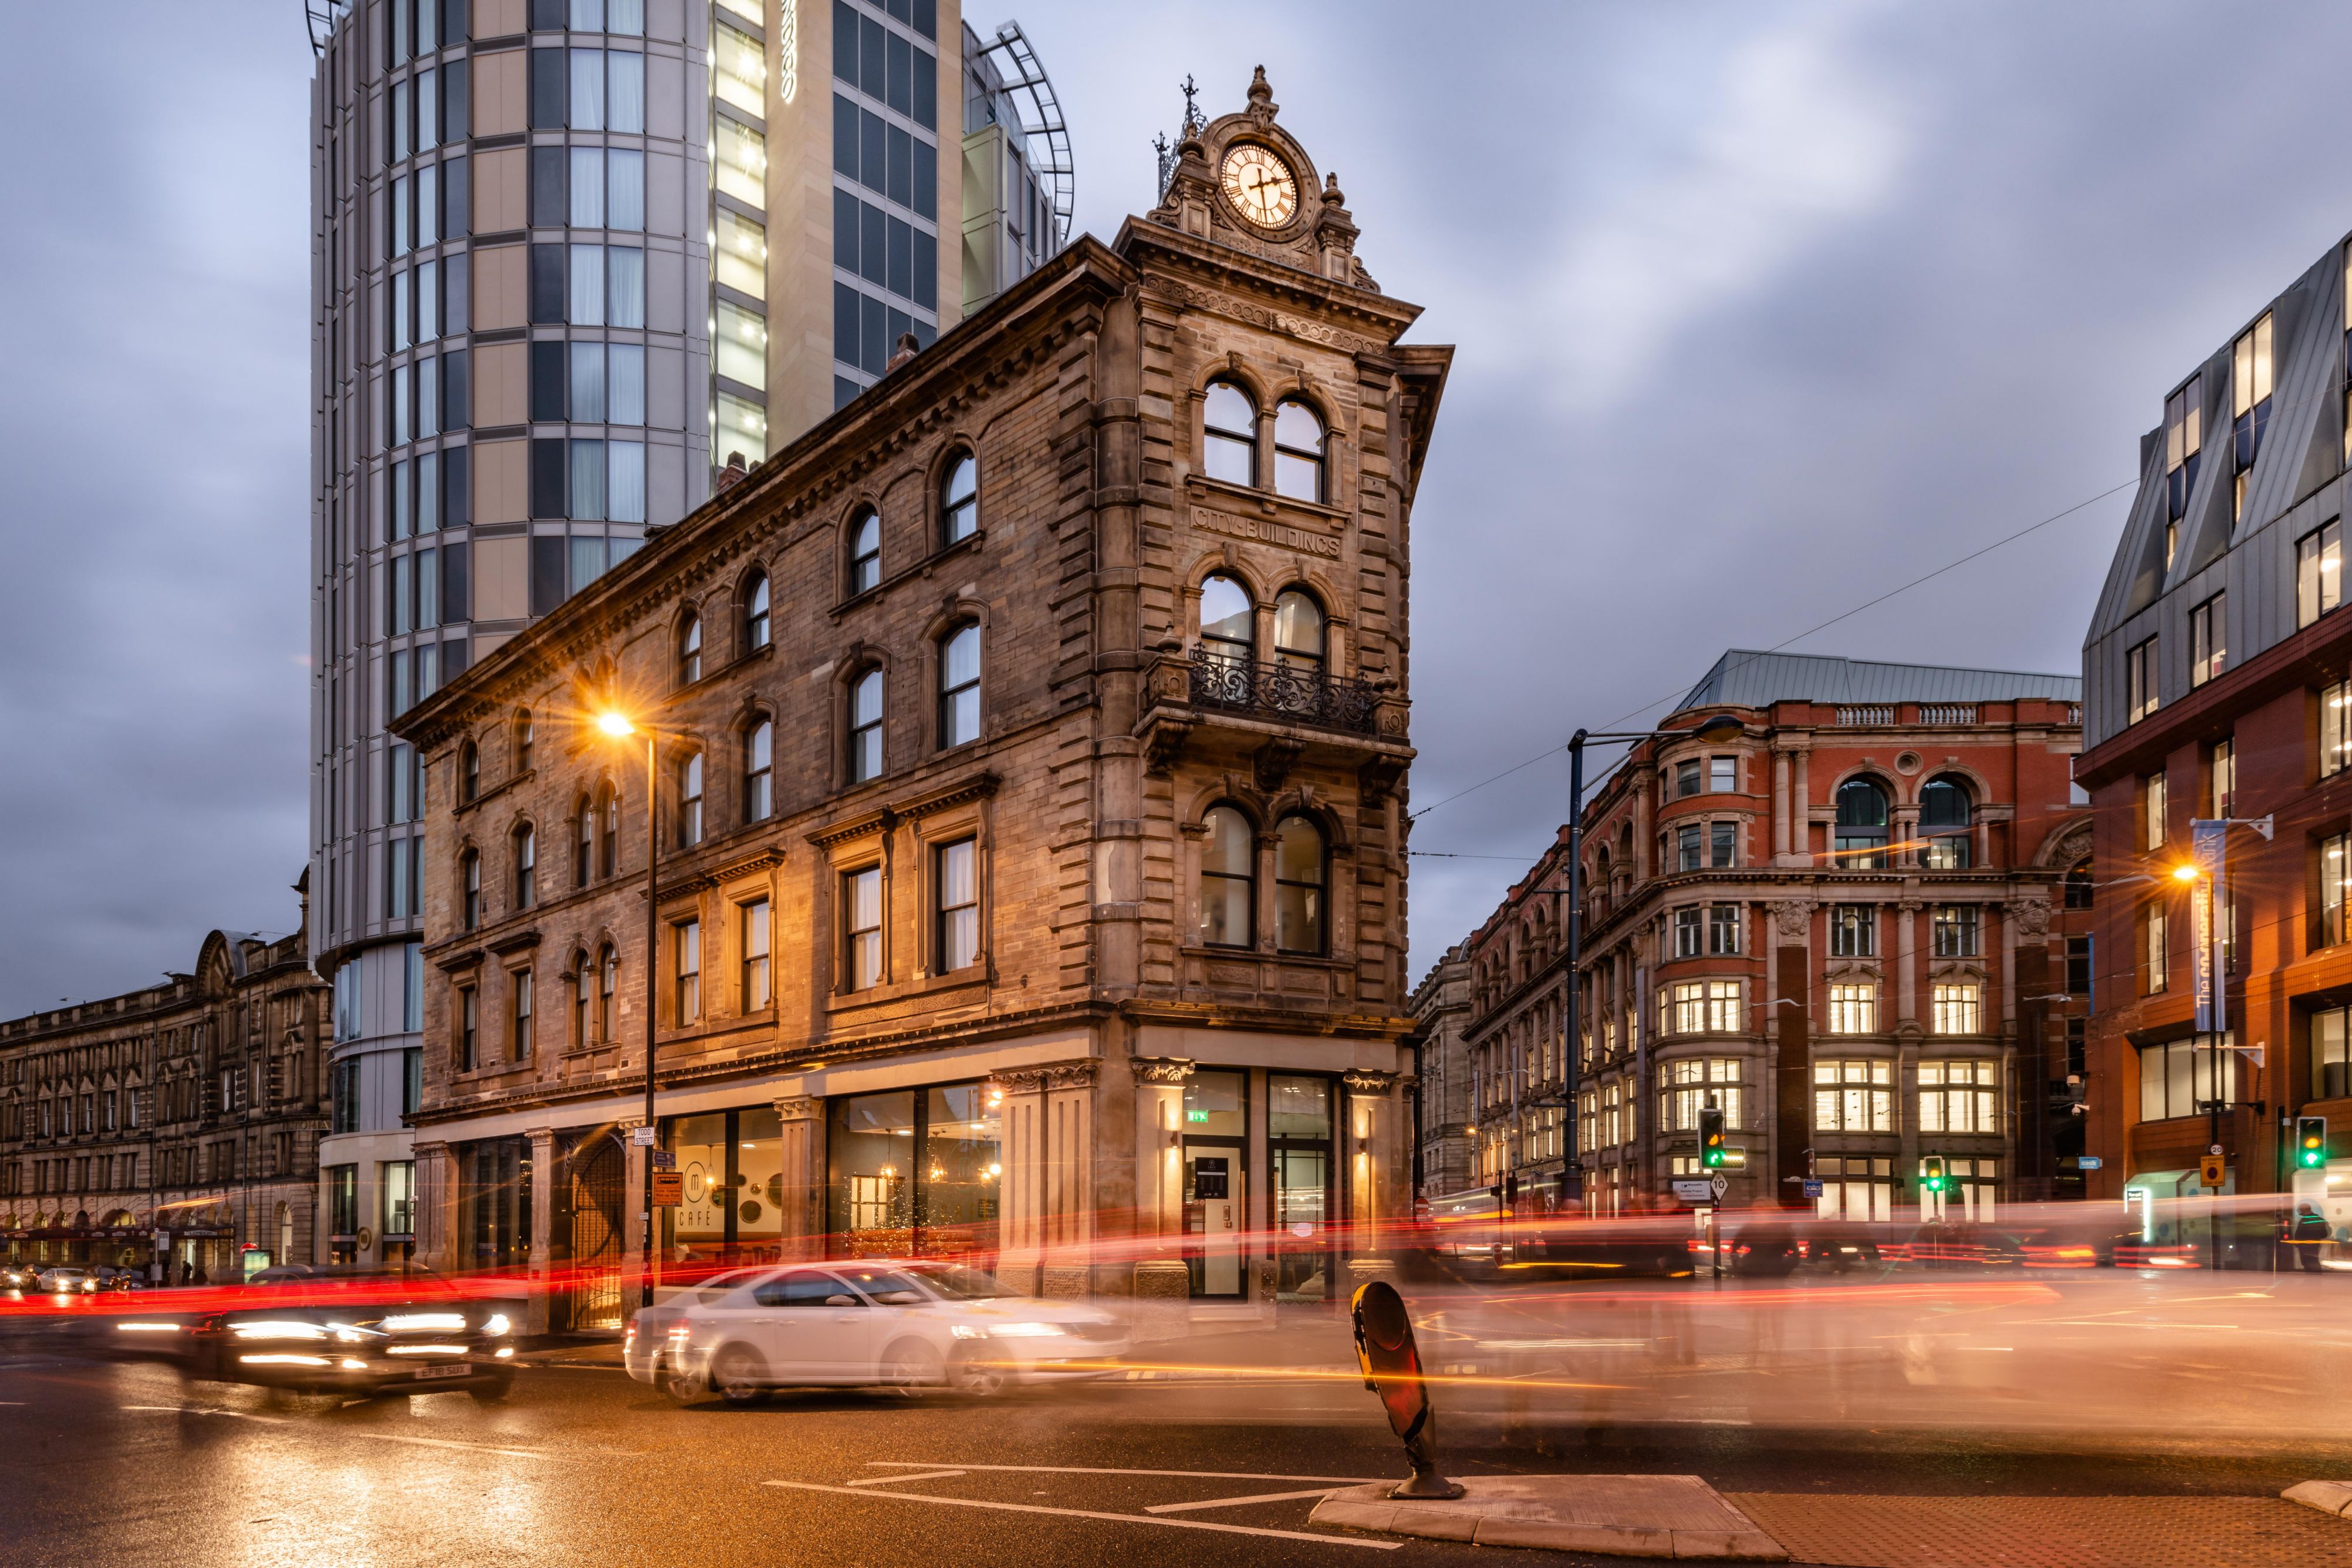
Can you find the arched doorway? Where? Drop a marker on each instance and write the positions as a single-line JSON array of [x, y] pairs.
[[590, 1228]]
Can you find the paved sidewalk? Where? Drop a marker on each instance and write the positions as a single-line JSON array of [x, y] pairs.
[[2048, 1531]]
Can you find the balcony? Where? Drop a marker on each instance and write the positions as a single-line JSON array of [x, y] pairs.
[[1286, 711], [1285, 694]]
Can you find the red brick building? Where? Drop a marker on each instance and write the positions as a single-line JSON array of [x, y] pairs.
[[1889, 846]]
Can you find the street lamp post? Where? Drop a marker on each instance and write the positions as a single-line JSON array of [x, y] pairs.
[[2208, 839], [617, 724]]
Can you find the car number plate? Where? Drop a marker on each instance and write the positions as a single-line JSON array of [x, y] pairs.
[[455, 1369]]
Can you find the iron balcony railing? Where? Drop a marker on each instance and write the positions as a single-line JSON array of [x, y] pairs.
[[1302, 693]]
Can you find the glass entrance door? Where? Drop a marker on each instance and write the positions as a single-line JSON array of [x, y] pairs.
[[1299, 1132], [1215, 1212]]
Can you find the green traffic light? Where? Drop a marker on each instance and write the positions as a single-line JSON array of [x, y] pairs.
[[2311, 1143]]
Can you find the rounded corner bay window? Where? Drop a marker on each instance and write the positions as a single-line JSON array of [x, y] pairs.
[[1861, 832], [1228, 880], [1299, 871], [1229, 434]]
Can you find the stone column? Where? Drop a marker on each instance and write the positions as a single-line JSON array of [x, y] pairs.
[[1070, 1153], [543, 1224], [1020, 1198], [1781, 807], [1367, 1140], [1800, 814], [1162, 1283], [436, 1207], [802, 1151]]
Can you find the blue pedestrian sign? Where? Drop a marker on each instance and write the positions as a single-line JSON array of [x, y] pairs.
[[1813, 1188]]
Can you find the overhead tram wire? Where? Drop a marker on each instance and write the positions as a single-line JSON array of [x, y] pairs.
[[1777, 647]]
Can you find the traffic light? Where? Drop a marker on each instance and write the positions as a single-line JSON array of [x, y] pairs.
[[2310, 1143], [1712, 1155], [1931, 1173]]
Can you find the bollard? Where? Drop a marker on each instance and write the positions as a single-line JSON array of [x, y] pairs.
[[1391, 1368]]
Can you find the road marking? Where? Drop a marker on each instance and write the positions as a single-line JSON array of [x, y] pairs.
[[1092, 1513], [1099, 1471], [894, 1481], [377, 1437], [1236, 1502]]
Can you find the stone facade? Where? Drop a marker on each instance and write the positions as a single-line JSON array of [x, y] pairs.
[[194, 1107], [1923, 956], [934, 824], [1441, 1008]]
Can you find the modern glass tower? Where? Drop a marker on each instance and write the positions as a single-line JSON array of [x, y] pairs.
[[568, 257]]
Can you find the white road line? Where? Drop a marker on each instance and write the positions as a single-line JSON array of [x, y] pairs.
[[376, 1437], [1096, 1471], [1091, 1514], [1234, 1501], [894, 1481]]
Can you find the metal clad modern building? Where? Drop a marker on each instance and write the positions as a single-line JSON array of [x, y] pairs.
[[570, 257]]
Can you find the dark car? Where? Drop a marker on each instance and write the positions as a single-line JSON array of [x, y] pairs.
[[1961, 1244], [355, 1335]]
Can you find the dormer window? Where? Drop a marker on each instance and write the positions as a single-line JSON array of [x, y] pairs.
[[2250, 403]]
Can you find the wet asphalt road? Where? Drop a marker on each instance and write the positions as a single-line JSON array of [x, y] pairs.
[[111, 1463]]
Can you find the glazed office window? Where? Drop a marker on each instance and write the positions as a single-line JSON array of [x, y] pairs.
[[1298, 442], [2331, 1053], [2335, 728], [1699, 1007], [469, 884], [1228, 620], [2155, 931], [955, 888], [1955, 1009], [866, 552], [861, 909], [738, 161], [1859, 837], [1688, 774], [1722, 844], [2154, 809], [1693, 1084], [1299, 635], [1228, 880], [1723, 921], [2225, 778], [1946, 814], [520, 1023], [865, 726], [470, 1029], [686, 971], [1229, 434], [688, 780], [526, 867], [755, 613], [756, 990], [1853, 1010], [2249, 404], [759, 769], [2319, 571], [689, 668], [1853, 1096], [739, 257], [1953, 931], [1853, 931], [959, 687], [1300, 868], [2335, 881], [2178, 1077], [1960, 1096], [2208, 633], [1688, 942], [738, 68], [1723, 775], [740, 347], [1690, 847], [2139, 681], [959, 499], [2184, 422]]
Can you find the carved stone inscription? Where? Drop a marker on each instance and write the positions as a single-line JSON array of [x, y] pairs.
[[1265, 531]]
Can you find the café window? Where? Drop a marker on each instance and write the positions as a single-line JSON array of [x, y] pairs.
[[731, 1187], [916, 1171]]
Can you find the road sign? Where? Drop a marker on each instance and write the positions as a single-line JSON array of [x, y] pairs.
[[1812, 1189], [662, 1159], [643, 1137], [1720, 1186], [2088, 1163], [2211, 1170], [1698, 1191], [670, 1189]]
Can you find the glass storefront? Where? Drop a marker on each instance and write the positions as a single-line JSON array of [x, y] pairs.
[[1216, 1195], [1298, 1142], [494, 1201], [731, 1164], [915, 1171]]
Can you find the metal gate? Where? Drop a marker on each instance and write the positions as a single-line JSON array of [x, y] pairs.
[[594, 1174]]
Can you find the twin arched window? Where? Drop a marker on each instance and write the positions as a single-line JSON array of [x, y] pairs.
[[608, 982], [866, 552], [1229, 873], [1859, 836], [865, 725], [759, 769], [689, 650], [755, 613], [1947, 817], [1229, 624], [959, 499], [960, 685], [1229, 443], [689, 799]]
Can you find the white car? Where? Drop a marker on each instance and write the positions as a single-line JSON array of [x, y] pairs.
[[62, 1281], [907, 1325]]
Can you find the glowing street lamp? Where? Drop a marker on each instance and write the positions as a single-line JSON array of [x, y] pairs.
[[618, 726]]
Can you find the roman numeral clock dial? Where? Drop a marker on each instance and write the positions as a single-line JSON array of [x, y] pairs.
[[1260, 185]]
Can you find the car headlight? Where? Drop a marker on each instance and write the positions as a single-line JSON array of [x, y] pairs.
[[1028, 1331], [277, 1331], [969, 1330], [497, 1324]]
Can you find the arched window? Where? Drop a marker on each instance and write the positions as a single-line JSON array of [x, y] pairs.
[[584, 845], [608, 831], [755, 613], [469, 885], [1299, 915], [960, 685], [759, 770], [1861, 833], [866, 726], [866, 552], [470, 772], [689, 799], [1298, 451], [1946, 818], [1297, 630], [1228, 620], [522, 741], [608, 981], [526, 867], [584, 991], [959, 499], [1229, 434], [1228, 880], [689, 650]]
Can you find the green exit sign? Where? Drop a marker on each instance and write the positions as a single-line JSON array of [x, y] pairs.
[[1196, 1115]]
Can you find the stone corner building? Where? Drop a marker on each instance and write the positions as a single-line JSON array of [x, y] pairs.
[[1029, 737], [192, 1108]]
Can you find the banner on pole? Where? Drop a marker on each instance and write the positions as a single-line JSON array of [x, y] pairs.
[[2209, 844]]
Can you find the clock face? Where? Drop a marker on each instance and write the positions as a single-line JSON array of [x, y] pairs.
[[1260, 186]]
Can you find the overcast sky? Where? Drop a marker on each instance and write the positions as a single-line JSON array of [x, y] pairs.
[[1762, 310]]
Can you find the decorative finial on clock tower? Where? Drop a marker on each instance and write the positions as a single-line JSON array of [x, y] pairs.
[[1192, 120], [1262, 107]]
